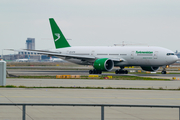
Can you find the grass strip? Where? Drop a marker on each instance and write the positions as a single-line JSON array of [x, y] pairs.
[[78, 87], [134, 78], [35, 77], [98, 78]]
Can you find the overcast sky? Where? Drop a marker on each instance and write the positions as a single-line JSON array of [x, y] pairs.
[[90, 22]]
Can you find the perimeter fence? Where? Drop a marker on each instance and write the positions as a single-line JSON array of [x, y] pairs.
[[85, 105]]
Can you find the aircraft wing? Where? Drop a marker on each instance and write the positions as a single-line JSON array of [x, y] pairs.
[[118, 59], [56, 53]]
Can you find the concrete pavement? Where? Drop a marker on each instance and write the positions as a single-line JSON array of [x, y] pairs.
[[101, 96], [94, 83]]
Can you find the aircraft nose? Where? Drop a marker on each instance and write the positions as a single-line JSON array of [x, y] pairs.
[[175, 58]]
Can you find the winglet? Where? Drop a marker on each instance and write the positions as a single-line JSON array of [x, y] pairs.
[[59, 39]]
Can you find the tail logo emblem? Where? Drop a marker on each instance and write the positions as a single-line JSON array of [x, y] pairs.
[[58, 35]]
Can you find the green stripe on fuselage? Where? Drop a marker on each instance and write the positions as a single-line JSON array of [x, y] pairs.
[[144, 52]]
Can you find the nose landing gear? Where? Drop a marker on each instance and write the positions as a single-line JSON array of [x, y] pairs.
[[164, 69], [163, 72]]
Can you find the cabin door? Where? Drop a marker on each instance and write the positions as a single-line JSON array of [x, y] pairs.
[[155, 54], [132, 55]]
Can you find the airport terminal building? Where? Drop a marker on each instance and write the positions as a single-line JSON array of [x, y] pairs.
[[30, 44]]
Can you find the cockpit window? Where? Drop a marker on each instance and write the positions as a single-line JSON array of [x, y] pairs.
[[170, 54]]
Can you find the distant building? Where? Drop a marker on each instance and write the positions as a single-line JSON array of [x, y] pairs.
[[30, 43], [178, 55], [176, 51]]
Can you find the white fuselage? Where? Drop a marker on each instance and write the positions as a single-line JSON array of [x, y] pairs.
[[127, 55]]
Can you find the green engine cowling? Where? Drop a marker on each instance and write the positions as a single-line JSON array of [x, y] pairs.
[[150, 68], [103, 64]]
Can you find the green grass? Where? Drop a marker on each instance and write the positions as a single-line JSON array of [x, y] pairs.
[[134, 78], [77, 87], [35, 77], [159, 72], [99, 78]]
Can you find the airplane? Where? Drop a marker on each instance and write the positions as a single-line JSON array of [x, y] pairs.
[[103, 58], [56, 60], [23, 60]]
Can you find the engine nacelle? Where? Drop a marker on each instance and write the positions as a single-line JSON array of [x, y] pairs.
[[103, 64], [150, 68]]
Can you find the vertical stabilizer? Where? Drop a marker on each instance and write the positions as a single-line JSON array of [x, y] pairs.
[[59, 39]]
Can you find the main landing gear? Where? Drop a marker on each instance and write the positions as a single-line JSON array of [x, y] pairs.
[[94, 71], [164, 70], [121, 71]]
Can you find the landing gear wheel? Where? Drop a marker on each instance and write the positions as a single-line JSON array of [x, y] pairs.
[[99, 72], [121, 71], [117, 71], [94, 71], [163, 72], [126, 72], [90, 72]]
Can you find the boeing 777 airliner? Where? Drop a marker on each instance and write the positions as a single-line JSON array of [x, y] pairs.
[[105, 58]]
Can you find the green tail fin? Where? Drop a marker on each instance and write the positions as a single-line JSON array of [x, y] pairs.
[[59, 39]]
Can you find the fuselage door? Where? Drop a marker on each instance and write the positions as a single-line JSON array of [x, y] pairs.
[[155, 54], [67, 52], [132, 55], [93, 53]]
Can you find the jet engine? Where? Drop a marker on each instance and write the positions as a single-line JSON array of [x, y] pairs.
[[103, 64], [150, 68]]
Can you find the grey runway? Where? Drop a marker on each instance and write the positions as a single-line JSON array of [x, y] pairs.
[[93, 83], [28, 72], [88, 96]]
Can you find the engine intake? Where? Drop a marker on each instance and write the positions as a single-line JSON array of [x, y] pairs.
[[103, 64], [150, 68]]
